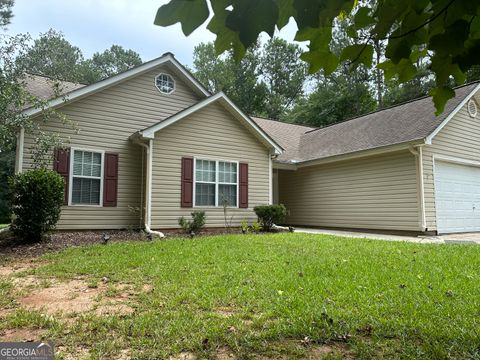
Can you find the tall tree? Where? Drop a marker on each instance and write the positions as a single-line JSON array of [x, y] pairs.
[[284, 75], [239, 80], [449, 29], [6, 13], [53, 56], [266, 82], [108, 63]]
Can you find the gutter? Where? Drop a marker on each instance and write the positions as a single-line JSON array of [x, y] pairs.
[[148, 200]]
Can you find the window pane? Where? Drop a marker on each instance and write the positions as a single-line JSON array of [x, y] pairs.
[[77, 162], [86, 191], [204, 194], [205, 170], [227, 194], [230, 172]]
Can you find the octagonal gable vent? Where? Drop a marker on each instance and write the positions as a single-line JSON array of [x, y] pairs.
[[472, 108]]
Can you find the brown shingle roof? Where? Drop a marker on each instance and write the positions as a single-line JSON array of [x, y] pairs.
[[288, 136], [408, 122], [44, 88]]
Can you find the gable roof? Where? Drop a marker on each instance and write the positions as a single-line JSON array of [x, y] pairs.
[[43, 87], [81, 92], [287, 135], [149, 132], [410, 122]]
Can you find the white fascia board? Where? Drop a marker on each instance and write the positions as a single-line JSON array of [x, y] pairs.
[[149, 133], [98, 86], [429, 138]]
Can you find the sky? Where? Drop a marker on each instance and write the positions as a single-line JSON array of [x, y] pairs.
[[95, 25]]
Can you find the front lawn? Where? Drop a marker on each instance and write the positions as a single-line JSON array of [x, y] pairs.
[[290, 295]]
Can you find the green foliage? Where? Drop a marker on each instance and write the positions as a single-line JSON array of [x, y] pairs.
[[269, 215], [7, 163], [244, 226], [37, 198], [194, 225], [448, 29], [53, 56], [335, 99], [256, 227], [16, 98], [262, 296], [111, 62], [267, 81], [6, 13]]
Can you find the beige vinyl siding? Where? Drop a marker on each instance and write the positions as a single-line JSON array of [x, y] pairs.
[[105, 121], [460, 138], [375, 192], [211, 133]]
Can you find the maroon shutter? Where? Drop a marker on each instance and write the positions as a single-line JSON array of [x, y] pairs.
[[187, 182], [110, 181], [61, 164], [243, 203]]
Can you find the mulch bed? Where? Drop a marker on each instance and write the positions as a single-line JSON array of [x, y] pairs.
[[61, 240]]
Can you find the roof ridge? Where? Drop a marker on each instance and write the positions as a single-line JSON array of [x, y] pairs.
[[388, 107], [283, 122]]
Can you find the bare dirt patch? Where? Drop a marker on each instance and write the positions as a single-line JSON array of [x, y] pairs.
[[75, 296], [225, 311], [224, 353], [21, 335], [186, 355], [328, 350]]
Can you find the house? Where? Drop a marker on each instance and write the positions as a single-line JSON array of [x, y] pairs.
[[151, 145]]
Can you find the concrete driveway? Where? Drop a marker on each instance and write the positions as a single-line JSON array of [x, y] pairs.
[[466, 238]]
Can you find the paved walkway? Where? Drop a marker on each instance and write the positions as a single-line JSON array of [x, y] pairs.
[[467, 238]]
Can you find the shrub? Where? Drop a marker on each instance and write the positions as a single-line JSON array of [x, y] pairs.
[[256, 227], [197, 222], [37, 198], [268, 215]]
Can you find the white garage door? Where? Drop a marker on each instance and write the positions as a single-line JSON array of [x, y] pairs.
[[457, 197]]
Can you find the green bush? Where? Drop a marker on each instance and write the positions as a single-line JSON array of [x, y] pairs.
[[37, 198], [197, 222], [268, 215]]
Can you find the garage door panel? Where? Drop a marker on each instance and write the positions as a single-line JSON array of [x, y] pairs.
[[457, 197]]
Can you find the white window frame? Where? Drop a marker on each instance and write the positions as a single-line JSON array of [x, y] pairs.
[[216, 182], [174, 84], [71, 176]]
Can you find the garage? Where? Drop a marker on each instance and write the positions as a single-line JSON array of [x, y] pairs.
[[457, 197]]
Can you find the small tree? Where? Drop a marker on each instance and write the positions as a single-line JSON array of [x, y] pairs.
[[268, 215], [197, 222], [37, 198]]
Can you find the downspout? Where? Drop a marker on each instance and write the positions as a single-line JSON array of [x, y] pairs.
[[148, 200], [418, 152], [19, 153], [270, 180]]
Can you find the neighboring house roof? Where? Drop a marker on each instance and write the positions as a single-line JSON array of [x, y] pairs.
[[287, 135], [44, 87], [405, 123], [84, 91], [149, 133]]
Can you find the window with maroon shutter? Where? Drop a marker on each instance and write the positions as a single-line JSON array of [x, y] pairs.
[[187, 182], [110, 181], [243, 191], [61, 164]]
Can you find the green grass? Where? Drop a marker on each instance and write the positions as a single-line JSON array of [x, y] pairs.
[[3, 226], [375, 298]]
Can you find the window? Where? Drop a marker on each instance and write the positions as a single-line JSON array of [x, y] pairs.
[[86, 183], [165, 83], [216, 183]]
